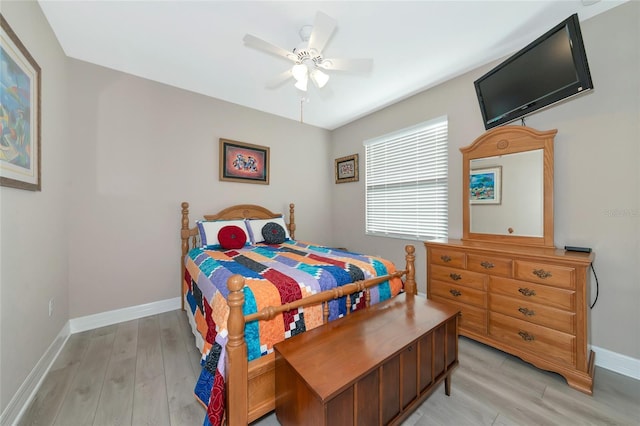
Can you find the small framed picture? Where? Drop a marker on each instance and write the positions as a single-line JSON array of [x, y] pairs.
[[244, 162], [485, 186], [347, 169]]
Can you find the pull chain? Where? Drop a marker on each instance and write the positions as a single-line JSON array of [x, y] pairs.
[[301, 110], [303, 99]]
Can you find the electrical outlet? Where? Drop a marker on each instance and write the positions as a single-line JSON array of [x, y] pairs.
[[50, 307]]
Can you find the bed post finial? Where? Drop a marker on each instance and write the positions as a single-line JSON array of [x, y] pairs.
[[292, 221], [410, 282], [185, 247], [236, 361], [185, 215]]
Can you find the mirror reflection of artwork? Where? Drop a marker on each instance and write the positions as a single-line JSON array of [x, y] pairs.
[[517, 203], [484, 186]]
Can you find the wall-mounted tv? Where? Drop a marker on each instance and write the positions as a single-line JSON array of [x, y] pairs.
[[548, 70]]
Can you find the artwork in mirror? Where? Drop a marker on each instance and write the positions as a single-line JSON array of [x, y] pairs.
[[515, 205], [485, 185]]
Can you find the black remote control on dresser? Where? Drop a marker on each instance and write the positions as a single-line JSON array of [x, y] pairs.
[[580, 249]]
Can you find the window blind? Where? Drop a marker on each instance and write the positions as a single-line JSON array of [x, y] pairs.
[[406, 182]]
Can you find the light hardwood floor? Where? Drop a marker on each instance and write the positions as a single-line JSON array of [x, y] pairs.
[[142, 372]]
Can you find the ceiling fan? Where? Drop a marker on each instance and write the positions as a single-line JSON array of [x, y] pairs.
[[308, 60]]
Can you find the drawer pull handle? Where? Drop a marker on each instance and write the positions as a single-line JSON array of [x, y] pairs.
[[541, 273], [526, 312], [445, 258], [455, 292], [455, 276], [487, 265], [526, 336], [526, 292]]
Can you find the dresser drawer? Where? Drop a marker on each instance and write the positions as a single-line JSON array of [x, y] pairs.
[[459, 293], [529, 292], [490, 265], [452, 258], [533, 338], [555, 275], [532, 312], [458, 276], [471, 318]]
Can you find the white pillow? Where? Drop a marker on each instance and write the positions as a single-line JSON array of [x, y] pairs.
[[209, 230], [254, 226]]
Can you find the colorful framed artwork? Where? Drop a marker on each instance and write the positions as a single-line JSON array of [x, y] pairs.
[[485, 186], [244, 162], [347, 169], [19, 113]]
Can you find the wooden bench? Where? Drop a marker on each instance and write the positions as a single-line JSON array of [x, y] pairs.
[[371, 370]]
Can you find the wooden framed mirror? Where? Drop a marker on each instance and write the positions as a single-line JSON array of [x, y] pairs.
[[508, 187]]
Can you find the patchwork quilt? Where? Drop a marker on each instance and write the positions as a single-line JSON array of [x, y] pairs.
[[274, 274]]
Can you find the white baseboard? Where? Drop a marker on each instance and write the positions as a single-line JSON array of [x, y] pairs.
[[103, 319], [31, 384], [20, 401], [619, 363]]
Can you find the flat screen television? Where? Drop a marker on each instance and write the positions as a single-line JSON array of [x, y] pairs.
[[548, 70]]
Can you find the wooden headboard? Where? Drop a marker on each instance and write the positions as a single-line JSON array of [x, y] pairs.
[[191, 237]]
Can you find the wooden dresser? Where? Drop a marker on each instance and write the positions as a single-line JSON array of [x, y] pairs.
[[531, 302], [373, 367]]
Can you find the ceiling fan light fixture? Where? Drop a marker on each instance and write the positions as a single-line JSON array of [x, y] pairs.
[[319, 78], [300, 72], [302, 83]]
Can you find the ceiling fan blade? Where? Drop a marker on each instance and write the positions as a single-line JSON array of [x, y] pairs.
[[356, 65], [279, 80], [323, 28], [258, 43]]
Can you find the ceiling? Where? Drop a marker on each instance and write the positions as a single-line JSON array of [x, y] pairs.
[[197, 45]]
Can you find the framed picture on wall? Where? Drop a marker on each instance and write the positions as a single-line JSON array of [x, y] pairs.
[[244, 162], [19, 113], [485, 186], [347, 169]]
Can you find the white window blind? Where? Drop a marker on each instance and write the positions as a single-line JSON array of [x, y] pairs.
[[406, 182]]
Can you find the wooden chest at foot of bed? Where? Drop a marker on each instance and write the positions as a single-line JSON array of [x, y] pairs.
[[372, 367]]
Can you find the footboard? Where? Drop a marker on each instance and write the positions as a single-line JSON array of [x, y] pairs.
[[251, 386]]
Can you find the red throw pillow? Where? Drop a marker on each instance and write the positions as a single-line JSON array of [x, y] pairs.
[[232, 237]]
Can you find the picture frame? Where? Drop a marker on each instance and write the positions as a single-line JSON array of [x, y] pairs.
[[244, 162], [20, 113], [346, 169], [485, 186]]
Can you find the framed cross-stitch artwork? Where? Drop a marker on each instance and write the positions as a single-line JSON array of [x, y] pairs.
[[244, 162], [347, 169]]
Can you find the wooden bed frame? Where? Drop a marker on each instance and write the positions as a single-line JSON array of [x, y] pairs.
[[250, 386]]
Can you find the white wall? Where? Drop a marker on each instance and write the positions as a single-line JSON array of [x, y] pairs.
[[140, 149], [34, 226], [597, 186]]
